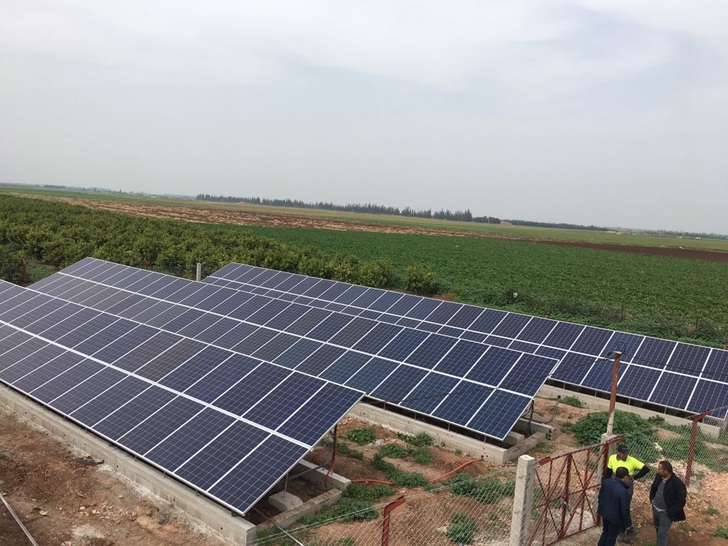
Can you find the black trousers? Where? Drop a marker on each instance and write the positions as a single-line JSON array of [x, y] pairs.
[[610, 532]]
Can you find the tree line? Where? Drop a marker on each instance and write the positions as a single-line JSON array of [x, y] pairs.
[[367, 208]]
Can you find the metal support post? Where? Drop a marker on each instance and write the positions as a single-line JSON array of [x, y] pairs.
[[613, 393]]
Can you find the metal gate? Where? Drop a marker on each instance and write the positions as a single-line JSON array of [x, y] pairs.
[[565, 493]]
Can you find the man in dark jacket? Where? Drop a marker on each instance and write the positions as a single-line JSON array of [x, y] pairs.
[[614, 506], [667, 495]]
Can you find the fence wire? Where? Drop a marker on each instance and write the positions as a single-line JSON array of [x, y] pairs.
[[464, 511]]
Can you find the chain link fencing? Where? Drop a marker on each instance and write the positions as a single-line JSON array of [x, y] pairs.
[[465, 510]]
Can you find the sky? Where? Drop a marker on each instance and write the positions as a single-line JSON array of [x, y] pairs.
[[593, 112]]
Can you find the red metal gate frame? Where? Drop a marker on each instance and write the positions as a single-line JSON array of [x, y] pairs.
[[571, 485]]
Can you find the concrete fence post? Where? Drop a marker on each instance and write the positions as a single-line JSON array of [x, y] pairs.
[[523, 500]]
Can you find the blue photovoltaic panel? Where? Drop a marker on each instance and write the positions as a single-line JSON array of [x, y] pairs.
[[526, 376], [537, 330], [502, 421], [430, 392], [399, 383], [146, 419], [273, 457], [673, 388], [488, 320], [403, 345], [423, 309], [329, 327], [573, 368], [320, 360], [716, 368], [511, 326], [461, 358], [592, 341], [465, 316], [345, 367], [709, 395], [275, 347], [298, 352], [209, 465], [638, 382], [460, 405], [160, 425], [654, 352], [444, 312], [431, 351], [600, 374], [371, 375], [377, 338], [493, 366], [368, 298], [688, 359]]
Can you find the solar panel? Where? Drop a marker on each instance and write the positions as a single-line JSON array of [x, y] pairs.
[[395, 347], [583, 351], [201, 413]]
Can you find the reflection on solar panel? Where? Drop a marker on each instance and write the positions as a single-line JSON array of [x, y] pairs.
[[388, 362], [676, 375], [229, 425]]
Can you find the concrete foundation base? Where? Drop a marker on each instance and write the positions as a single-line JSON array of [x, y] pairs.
[[284, 501]]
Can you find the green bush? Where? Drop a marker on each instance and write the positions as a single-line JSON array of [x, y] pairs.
[[346, 509], [572, 401], [367, 493], [361, 435], [420, 280], [487, 492], [418, 440], [589, 429], [462, 530], [422, 456], [393, 451]]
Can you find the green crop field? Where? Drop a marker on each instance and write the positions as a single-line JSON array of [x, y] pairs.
[[624, 290], [667, 297]]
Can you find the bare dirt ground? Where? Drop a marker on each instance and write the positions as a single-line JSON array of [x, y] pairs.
[[243, 218], [65, 503]]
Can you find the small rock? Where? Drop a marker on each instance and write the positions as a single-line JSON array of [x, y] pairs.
[[42, 512], [82, 508]]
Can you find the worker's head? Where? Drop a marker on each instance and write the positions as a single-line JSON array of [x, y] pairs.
[[622, 452], [664, 469], [622, 474]]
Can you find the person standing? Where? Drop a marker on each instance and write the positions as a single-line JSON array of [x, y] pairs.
[[636, 468], [668, 495], [614, 506]]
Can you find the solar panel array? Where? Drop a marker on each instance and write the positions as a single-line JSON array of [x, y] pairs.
[[676, 375], [228, 425], [469, 384]]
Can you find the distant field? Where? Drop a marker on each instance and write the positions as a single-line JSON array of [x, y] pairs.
[[498, 231]]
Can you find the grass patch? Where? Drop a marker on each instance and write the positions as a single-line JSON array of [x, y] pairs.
[[572, 401], [418, 440], [347, 510], [486, 492], [462, 530], [361, 435], [367, 493], [721, 532]]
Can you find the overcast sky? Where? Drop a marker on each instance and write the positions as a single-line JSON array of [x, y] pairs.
[[605, 112]]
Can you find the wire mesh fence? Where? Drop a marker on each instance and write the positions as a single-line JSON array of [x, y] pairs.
[[695, 449], [466, 510]]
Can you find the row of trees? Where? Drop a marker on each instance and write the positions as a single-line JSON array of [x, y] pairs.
[[367, 208], [58, 235]]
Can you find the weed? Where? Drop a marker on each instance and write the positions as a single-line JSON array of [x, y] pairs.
[[419, 440], [361, 435], [422, 456], [393, 451], [721, 532], [346, 510], [462, 530], [572, 401], [712, 511], [367, 493]]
